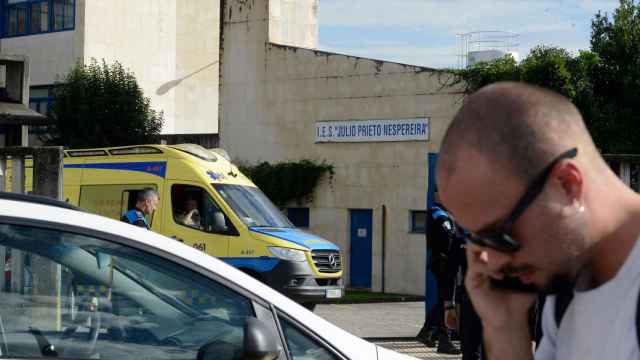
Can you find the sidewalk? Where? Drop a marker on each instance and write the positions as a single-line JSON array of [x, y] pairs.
[[391, 325]]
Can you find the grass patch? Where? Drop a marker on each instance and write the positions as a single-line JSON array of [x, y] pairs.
[[363, 296]]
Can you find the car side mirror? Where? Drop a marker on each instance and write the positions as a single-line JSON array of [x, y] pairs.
[[259, 341], [219, 223]]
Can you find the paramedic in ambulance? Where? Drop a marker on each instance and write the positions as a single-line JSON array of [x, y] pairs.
[[146, 203], [190, 216]]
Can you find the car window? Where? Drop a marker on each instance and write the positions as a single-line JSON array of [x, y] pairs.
[[193, 207], [302, 346], [72, 296]]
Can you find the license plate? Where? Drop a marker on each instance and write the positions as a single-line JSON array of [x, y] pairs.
[[334, 293]]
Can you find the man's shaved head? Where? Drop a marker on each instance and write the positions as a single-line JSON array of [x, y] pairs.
[[517, 127], [499, 142]]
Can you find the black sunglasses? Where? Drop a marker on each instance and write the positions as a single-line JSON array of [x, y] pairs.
[[497, 236]]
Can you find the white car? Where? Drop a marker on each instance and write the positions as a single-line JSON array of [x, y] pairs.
[[82, 286]]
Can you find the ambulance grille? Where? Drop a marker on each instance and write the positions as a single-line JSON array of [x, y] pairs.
[[327, 261]]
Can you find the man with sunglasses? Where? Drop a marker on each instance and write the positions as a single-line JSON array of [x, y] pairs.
[[519, 170]]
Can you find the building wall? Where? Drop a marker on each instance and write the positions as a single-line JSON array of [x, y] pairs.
[[294, 23], [172, 46], [197, 63], [51, 55], [242, 60], [292, 88], [141, 35]]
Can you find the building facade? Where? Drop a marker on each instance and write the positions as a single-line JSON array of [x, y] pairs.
[[171, 46], [277, 92], [249, 71]]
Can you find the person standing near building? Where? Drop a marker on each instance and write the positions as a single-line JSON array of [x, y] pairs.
[[544, 211], [440, 233], [146, 203], [468, 324]]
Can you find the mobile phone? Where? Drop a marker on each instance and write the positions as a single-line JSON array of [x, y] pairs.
[[513, 284]]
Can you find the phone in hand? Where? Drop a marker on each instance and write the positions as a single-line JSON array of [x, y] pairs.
[[513, 284]]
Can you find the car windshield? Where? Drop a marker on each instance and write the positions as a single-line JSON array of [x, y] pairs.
[[82, 297], [252, 206]]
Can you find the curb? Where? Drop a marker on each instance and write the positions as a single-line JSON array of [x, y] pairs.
[[379, 300]]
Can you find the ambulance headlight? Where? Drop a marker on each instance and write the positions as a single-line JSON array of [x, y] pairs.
[[288, 254]]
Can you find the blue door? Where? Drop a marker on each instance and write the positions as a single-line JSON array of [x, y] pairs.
[[361, 248]]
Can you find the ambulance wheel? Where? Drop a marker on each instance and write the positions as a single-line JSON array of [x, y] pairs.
[[309, 306]]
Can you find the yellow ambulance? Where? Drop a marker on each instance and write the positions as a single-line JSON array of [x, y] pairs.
[[207, 203]]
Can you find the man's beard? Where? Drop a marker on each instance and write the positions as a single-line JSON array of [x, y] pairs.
[[557, 284]]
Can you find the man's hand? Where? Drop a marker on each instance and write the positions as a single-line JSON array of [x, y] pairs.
[[504, 313], [451, 319]]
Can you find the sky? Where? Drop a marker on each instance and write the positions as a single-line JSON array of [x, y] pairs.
[[424, 32]]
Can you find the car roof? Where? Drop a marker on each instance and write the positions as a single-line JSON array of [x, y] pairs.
[[53, 212], [37, 199]]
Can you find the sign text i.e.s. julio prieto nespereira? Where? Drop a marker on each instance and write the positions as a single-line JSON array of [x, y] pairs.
[[373, 130]]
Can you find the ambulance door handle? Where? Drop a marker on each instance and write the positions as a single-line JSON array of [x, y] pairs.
[[174, 237]]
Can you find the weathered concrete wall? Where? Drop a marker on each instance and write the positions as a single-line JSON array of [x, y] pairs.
[[294, 23], [197, 64], [243, 60], [141, 35], [269, 113]]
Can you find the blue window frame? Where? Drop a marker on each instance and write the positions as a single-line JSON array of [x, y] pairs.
[[41, 98], [28, 17], [299, 217]]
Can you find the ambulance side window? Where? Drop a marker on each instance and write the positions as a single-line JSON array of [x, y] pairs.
[[193, 207]]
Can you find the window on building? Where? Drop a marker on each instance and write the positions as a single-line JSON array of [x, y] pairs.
[[27, 17], [299, 217], [41, 98], [39, 17], [418, 221]]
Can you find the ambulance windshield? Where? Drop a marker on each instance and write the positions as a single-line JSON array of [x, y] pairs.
[[252, 206]]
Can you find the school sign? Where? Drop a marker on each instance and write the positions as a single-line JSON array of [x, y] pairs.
[[372, 130]]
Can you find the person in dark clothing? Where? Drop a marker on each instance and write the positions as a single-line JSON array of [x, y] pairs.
[[440, 233], [146, 203], [469, 325]]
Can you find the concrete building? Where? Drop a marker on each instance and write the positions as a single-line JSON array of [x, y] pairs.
[[277, 92], [172, 47], [15, 115], [250, 71]]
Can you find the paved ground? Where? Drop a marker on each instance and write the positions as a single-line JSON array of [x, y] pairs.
[[392, 325]]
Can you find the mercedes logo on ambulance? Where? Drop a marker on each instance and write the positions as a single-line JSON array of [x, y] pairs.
[[332, 261]]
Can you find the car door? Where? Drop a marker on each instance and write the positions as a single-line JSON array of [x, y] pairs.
[[193, 217], [76, 293]]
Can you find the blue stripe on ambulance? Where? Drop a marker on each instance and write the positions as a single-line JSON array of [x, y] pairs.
[[158, 168], [298, 237], [259, 264]]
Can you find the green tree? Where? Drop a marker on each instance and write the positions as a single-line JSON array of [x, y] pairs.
[[488, 72], [549, 67], [285, 182], [99, 105], [616, 78], [553, 68]]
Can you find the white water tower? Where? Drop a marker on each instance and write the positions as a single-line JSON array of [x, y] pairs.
[[478, 46]]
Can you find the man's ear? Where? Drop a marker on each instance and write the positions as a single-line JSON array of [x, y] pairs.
[[571, 179]]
